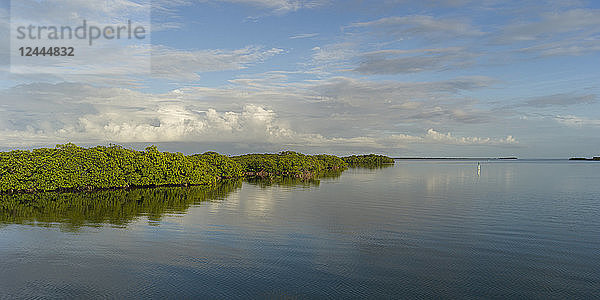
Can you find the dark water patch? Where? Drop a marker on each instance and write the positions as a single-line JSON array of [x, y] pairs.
[[114, 207], [420, 229]]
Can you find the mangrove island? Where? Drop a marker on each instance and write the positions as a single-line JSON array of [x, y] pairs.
[[69, 167]]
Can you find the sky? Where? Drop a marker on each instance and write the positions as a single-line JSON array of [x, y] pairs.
[[403, 78]]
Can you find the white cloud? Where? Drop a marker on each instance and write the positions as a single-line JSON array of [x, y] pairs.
[[175, 122], [568, 32], [397, 61], [572, 46], [421, 26], [575, 121], [65, 12], [361, 46], [552, 24], [400, 141], [560, 100], [179, 64], [448, 138], [304, 35], [121, 115], [86, 114], [282, 6], [356, 91], [333, 56]]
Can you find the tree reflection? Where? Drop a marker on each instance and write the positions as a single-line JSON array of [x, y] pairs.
[[287, 181], [371, 166], [71, 211]]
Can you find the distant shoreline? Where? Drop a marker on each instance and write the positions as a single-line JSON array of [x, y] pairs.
[[457, 158], [596, 158]]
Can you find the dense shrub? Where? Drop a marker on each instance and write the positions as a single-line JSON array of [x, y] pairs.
[[368, 160], [288, 163], [72, 167]]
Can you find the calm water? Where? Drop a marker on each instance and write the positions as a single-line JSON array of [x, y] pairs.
[[418, 229]]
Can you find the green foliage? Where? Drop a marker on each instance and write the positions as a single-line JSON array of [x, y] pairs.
[[288, 163], [368, 160], [291, 181], [69, 167]]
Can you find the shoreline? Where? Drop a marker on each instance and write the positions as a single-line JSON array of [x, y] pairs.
[[456, 158], [88, 189], [70, 168]]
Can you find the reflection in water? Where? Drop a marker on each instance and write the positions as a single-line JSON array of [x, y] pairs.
[[421, 229], [283, 181], [292, 181], [121, 207], [115, 207], [265, 192], [372, 167]]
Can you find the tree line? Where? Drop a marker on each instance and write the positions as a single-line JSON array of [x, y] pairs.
[[70, 167], [368, 160]]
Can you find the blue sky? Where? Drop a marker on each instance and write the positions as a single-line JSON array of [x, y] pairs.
[[404, 78]]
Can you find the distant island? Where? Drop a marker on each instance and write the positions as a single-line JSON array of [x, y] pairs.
[[69, 167], [595, 158], [461, 158]]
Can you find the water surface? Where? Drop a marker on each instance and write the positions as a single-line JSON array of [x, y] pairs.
[[417, 229]]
